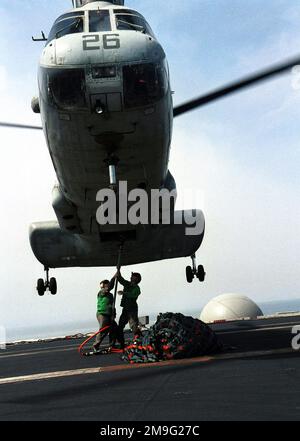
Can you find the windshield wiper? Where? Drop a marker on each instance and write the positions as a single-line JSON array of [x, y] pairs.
[[133, 26], [74, 25]]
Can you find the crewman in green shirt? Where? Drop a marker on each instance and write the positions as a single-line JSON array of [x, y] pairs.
[[129, 304], [105, 311]]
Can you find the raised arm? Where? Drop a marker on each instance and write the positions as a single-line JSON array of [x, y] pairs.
[[112, 283], [122, 280]]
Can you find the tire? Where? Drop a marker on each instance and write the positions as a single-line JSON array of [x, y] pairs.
[[53, 286], [41, 287], [201, 273], [189, 274]]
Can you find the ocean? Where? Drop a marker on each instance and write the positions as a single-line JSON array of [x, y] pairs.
[[68, 329]]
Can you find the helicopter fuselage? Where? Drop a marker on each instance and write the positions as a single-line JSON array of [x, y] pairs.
[[106, 102], [104, 92]]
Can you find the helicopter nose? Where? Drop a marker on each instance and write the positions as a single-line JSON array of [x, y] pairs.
[[105, 72], [112, 47]]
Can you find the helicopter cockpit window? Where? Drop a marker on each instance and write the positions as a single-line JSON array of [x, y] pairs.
[[127, 11], [99, 21], [66, 88], [71, 23], [144, 84], [131, 21]]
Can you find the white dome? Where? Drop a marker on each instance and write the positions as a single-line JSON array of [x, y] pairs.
[[230, 307]]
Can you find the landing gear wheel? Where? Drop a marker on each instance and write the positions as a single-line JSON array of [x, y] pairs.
[[201, 273], [194, 271], [53, 286], [41, 287], [189, 274]]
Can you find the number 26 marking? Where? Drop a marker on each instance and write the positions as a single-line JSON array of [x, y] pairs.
[[110, 41]]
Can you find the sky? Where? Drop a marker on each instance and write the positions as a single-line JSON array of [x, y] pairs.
[[241, 157]]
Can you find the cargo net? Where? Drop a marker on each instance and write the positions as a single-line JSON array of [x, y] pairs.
[[173, 337]]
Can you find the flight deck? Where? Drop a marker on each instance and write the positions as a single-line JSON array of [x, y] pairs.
[[255, 378]]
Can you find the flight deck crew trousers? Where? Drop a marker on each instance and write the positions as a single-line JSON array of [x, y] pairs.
[[104, 320], [129, 315]]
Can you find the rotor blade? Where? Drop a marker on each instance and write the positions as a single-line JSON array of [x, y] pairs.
[[236, 86], [19, 126]]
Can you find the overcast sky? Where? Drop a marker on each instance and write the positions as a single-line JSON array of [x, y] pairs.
[[240, 155]]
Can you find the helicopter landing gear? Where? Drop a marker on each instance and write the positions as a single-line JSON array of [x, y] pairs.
[[194, 271], [41, 287], [48, 284]]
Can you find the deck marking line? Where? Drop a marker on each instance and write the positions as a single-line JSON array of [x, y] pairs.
[[118, 368]]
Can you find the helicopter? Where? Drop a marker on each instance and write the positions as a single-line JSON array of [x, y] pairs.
[[107, 113]]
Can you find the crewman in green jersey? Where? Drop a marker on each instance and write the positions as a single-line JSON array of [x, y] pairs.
[[105, 311], [129, 304]]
